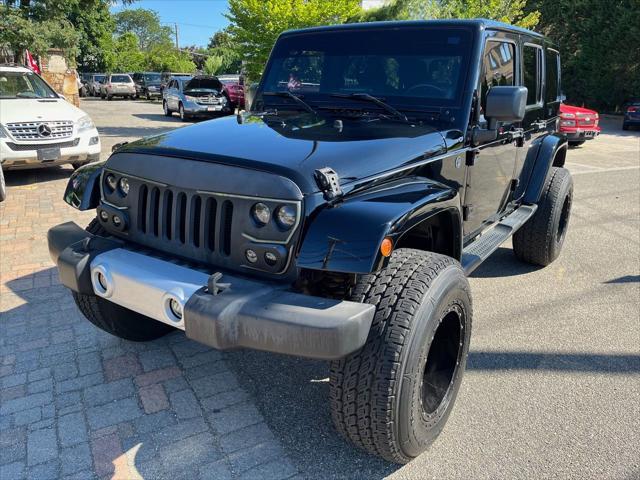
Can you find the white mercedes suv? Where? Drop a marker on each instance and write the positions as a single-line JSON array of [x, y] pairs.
[[40, 128]]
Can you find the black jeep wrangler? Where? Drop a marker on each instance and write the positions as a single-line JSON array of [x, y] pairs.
[[379, 165]]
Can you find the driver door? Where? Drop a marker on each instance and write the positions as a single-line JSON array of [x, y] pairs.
[[491, 170]]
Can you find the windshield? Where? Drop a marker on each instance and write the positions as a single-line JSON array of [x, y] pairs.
[[120, 79], [203, 83], [152, 77], [410, 66], [24, 85]]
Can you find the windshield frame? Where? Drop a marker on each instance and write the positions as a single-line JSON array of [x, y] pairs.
[[52, 93], [401, 102]]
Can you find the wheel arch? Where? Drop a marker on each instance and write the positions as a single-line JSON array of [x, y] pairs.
[[544, 152], [347, 236]]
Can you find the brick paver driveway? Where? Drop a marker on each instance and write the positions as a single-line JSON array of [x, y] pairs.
[[79, 403], [551, 389]]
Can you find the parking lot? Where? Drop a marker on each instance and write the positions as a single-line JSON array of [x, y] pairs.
[[552, 388]]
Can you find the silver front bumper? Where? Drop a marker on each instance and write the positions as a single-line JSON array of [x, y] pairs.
[[238, 313], [144, 284]]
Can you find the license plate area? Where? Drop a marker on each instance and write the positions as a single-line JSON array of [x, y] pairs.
[[214, 109], [49, 154]]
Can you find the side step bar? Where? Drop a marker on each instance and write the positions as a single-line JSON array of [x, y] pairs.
[[479, 250]]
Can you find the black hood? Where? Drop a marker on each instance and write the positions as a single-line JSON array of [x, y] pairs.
[[203, 82], [295, 148]]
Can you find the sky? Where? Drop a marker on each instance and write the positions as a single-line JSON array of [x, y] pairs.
[[197, 20]]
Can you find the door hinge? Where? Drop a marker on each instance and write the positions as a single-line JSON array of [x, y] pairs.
[[329, 182], [467, 210], [471, 157]]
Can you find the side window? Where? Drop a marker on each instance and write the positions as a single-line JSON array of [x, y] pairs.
[[552, 77], [497, 67], [532, 73]]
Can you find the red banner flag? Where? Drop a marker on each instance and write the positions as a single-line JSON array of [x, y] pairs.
[[31, 63]]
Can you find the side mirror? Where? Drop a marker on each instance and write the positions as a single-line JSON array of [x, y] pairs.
[[249, 96], [505, 104]]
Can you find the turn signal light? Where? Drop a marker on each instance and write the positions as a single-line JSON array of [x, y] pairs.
[[386, 247]]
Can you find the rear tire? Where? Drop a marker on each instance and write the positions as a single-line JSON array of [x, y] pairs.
[[393, 397], [114, 319], [540, 240], [576, 144]]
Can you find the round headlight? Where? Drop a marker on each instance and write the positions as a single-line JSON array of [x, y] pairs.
[[111, 181], [124, 186], [286, 216], [261, 213]]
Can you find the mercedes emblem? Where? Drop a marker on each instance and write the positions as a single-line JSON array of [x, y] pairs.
[[44, 130]]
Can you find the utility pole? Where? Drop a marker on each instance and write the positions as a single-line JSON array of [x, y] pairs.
[[177, 45]]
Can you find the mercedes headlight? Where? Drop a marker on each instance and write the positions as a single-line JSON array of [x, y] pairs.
[[286, 216], [85, 123]]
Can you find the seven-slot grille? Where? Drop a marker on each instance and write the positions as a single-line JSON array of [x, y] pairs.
[[29, 130], [194, 220]]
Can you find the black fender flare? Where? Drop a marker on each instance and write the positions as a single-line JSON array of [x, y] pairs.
[[83, 188], [346, 237], [541, 155]]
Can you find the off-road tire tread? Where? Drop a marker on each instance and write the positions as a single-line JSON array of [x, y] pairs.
[[533, 242], [363, 385]]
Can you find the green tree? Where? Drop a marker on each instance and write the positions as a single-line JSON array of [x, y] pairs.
[[213, 65], [508, 11], [598, 41], [256, 24], [161, 59], [125, 55], [145, 24]]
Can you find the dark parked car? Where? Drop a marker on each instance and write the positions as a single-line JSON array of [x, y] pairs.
[[380, 165], [631, 115], [147, 84], [198, 96]]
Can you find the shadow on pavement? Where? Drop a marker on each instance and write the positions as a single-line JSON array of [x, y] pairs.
[[625, 279], [18, 178], [132, 131], [503, 263]]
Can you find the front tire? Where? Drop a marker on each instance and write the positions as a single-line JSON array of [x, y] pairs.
[[114, 319], [393, 397], [540, 240], [181, 113], [165, 108]]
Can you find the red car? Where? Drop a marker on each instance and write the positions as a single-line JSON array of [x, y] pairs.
[[234, 88], [578, 124]]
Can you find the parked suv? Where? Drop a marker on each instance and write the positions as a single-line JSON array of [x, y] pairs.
[[94, 82], [117, 85], [38, 127], [147, 84], [631, 114], [202, 95], [339, 218]]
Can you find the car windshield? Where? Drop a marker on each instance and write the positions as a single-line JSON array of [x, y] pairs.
[[203, 84], [120, 79], [410, 66], [24, 85], [152, 77]]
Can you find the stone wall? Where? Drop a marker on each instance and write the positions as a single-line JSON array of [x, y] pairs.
[[56, 72]]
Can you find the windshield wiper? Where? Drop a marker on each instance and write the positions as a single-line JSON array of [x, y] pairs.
[[293, 97], [370, 98]]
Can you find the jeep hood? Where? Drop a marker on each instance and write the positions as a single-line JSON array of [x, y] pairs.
[[296, 148]]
